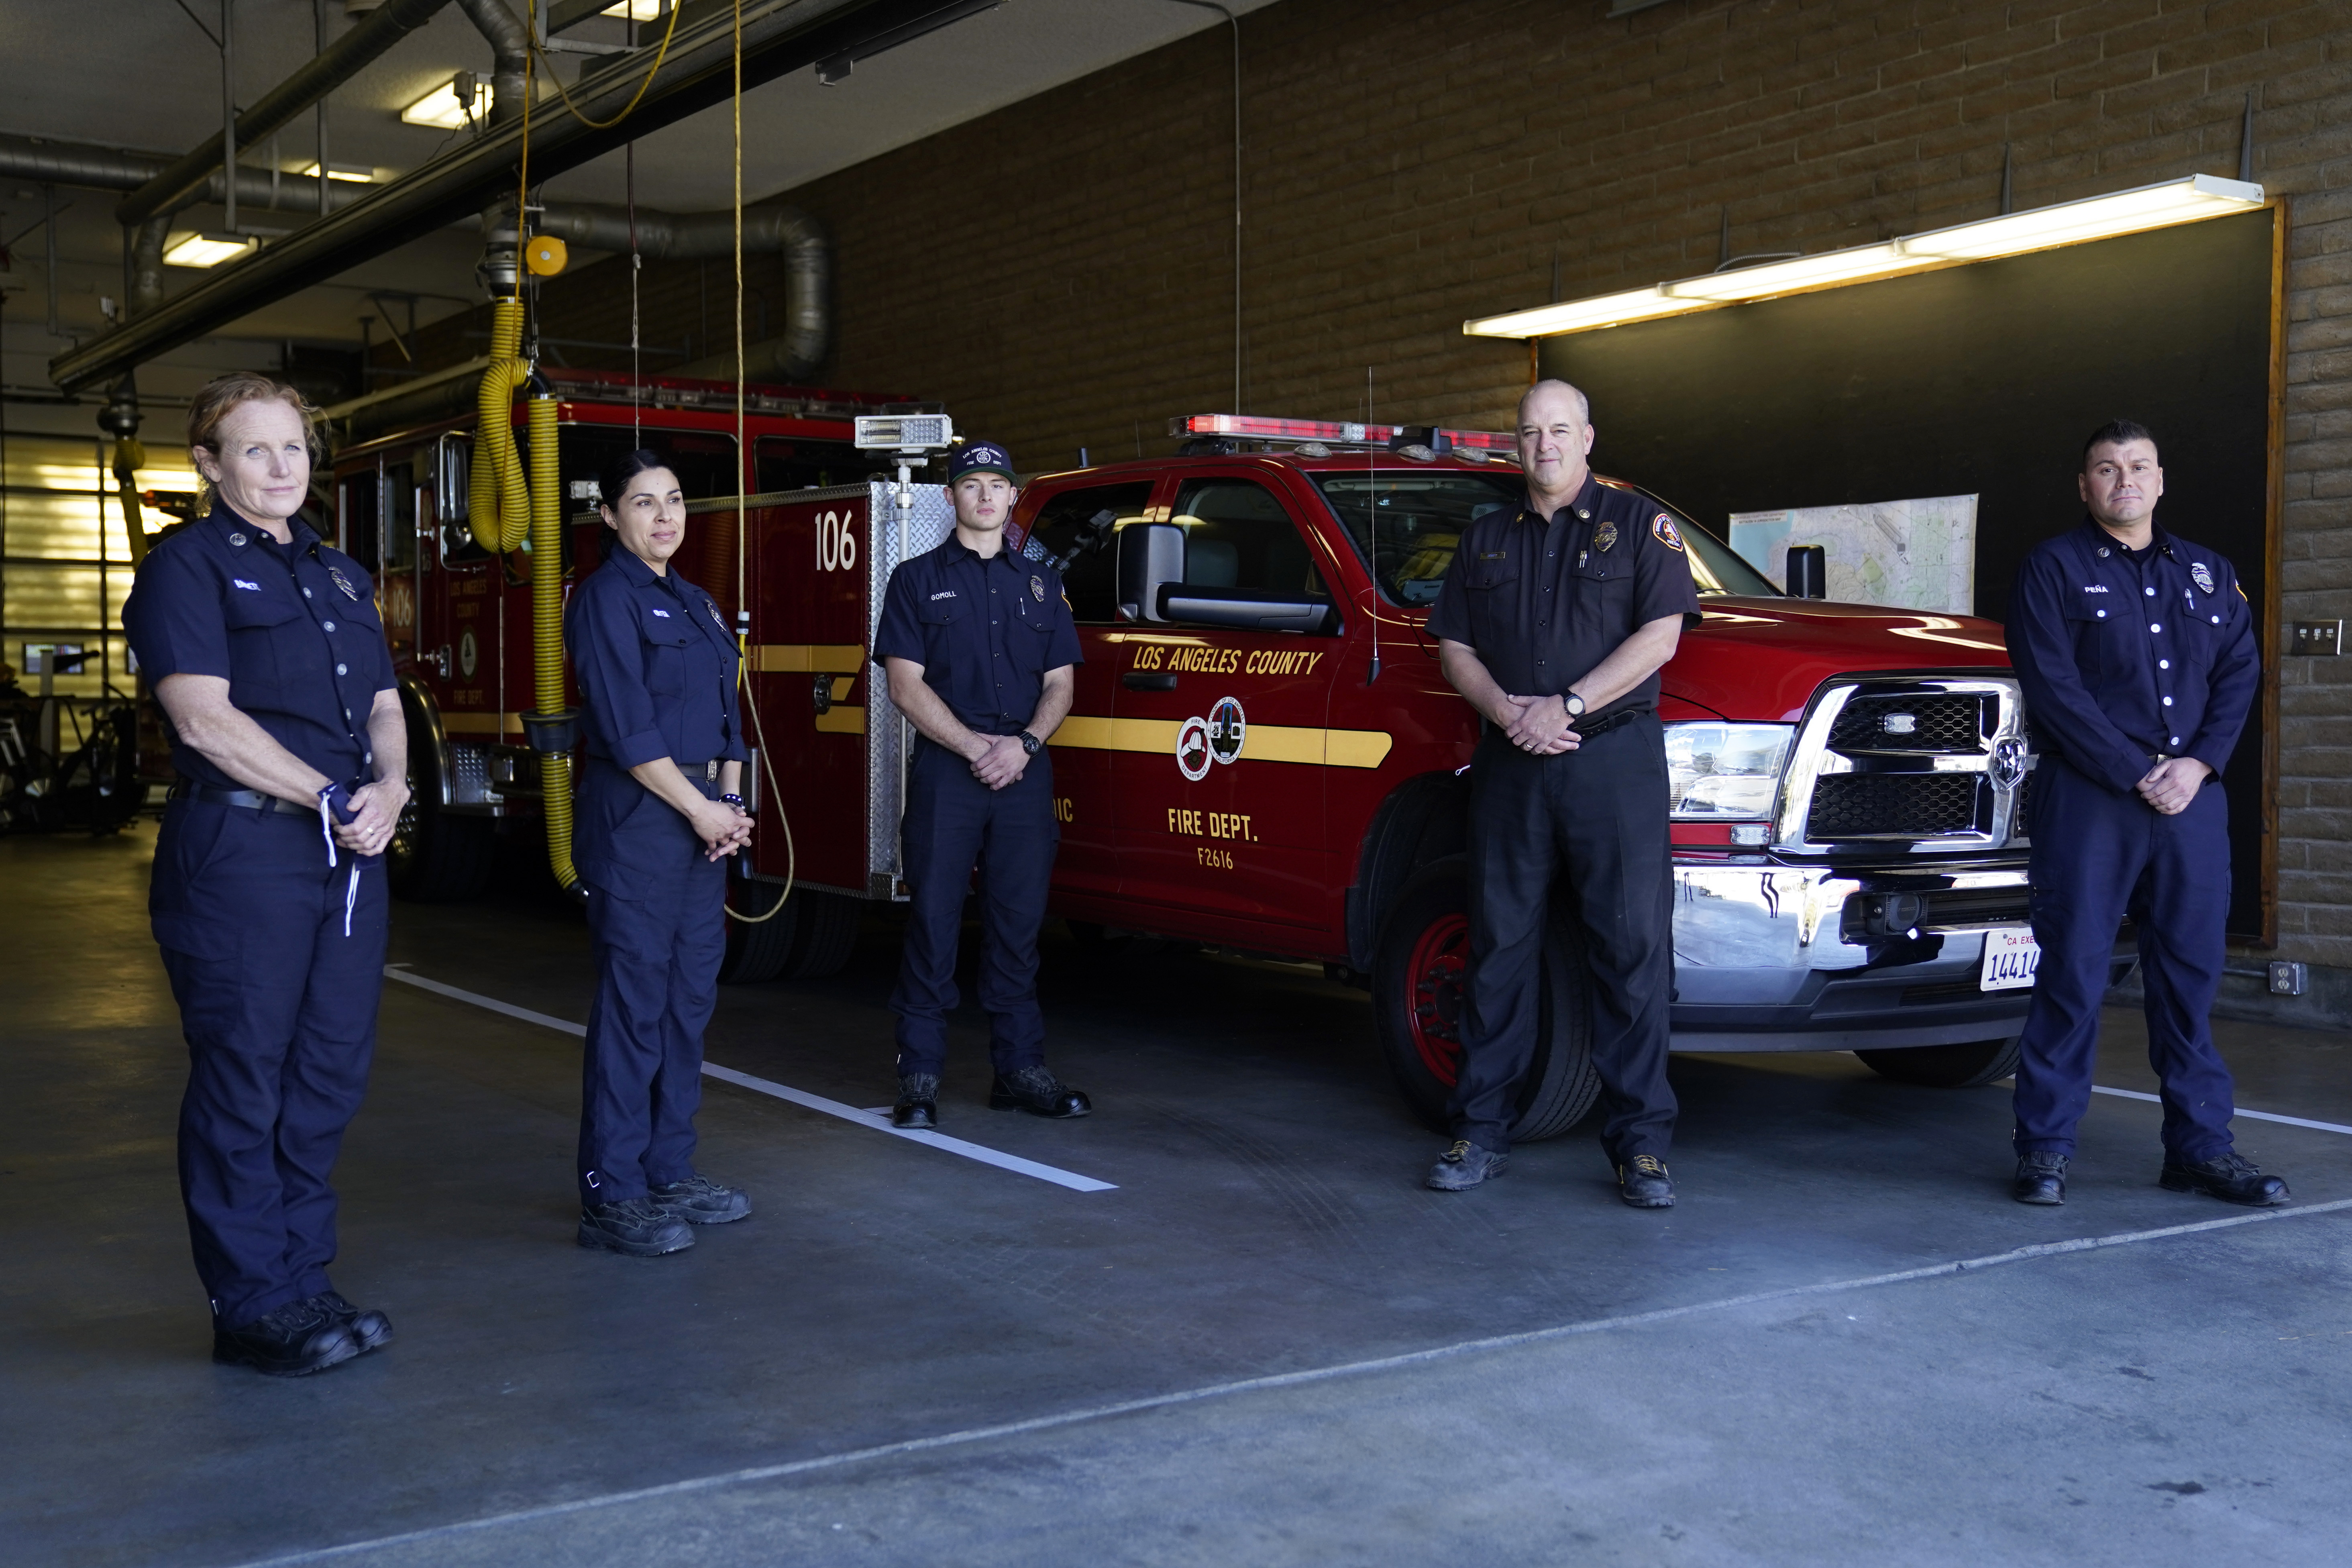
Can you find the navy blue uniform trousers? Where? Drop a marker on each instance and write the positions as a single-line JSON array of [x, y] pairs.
[[2097, 857], [955, 822], [1599, 816], [658, 919], [279, 1007]]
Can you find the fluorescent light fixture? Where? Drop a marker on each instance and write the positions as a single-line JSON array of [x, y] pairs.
[[2126, 212], [2068, 223], [357, 174], [204, 249], [635, 10], [1803, 272], [442, 109]]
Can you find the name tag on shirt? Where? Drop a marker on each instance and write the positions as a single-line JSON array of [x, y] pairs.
[[248, 587], [663, 614]]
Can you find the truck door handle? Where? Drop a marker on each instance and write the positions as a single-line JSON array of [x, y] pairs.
[[1145, 681]]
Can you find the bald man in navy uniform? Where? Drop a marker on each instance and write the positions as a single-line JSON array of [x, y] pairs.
[[2137, 652]]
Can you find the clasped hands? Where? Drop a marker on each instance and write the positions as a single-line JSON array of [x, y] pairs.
[[2172, 784], [1537, 725], [1001, 760], [723, 827], [378, 806]]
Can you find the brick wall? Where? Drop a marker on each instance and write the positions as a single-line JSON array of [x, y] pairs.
[[1061, 272]]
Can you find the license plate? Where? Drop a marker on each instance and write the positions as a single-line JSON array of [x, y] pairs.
[[2010, 957]]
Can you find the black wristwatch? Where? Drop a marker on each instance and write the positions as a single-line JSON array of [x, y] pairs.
[[1573, 703], [1031, 743], [736, 801]]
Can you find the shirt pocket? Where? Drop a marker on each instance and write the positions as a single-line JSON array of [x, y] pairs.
[[269, 638], [2204, 624], [2092, 626], [666, 639]]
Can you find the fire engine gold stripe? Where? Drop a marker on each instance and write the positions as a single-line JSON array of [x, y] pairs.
[[839, 720], [480, 723], [807, 658], [1263, 743]]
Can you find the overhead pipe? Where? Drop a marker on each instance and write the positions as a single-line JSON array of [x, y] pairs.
[[510, 80], [111, 169], [183, 180], [808, 271], [779, 37]]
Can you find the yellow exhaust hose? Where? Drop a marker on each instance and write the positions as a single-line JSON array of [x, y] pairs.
[[547, 629], [497, 501]]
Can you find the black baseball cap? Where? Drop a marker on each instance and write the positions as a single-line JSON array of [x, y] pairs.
[[981, 457]]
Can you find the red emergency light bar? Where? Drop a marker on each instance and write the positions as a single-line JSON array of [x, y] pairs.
[[1331, 432]]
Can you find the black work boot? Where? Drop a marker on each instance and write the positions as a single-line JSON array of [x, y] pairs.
[[1643, 1184], [1038, 1091], [2231, 1177], [698, 1200], [371, 1330], [295, 1341], [635, 1227], [1465, 1166], [2041, 1178], [918, 1101]]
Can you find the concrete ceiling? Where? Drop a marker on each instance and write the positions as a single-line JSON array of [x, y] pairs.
[[144, 74]]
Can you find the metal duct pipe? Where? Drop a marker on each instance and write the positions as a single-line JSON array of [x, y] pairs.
[[145, 245], [509, 61], [183, 180], [779, 36], [808, 271], [111, 169]]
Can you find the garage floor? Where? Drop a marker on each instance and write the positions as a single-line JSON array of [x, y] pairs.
[[1264, 1345]]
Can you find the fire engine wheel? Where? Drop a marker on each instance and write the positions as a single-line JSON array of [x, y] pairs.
[[436, 856], [1418, 971], [757, 951], [1970, 1066], [825, 930]]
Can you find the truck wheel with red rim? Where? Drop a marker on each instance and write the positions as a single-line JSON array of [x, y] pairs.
[[757, 949], [1418, 971], [1970, 1066], [434, 857]]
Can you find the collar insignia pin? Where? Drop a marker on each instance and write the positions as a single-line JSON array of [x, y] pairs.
[[237, 539]]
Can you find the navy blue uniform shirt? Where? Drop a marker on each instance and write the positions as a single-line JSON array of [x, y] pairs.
[[985, 632], [2125, 654], [656, 664], [1542, 600], [292, 628]]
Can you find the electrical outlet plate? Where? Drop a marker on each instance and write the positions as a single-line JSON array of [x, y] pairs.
[[2317, 639], [2288, 979]]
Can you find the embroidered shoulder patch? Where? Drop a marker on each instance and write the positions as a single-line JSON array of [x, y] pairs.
[[1667, 534]]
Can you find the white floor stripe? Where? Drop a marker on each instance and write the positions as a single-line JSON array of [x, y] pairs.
[[2241, 1110], [1287, 1380], [880, 1120]]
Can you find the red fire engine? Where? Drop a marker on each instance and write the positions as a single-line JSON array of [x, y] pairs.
[[1263, 756]]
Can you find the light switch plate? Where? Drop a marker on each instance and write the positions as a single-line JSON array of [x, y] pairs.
[[2318, 638]]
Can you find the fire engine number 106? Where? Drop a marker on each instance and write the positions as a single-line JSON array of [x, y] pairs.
[[836, 541]]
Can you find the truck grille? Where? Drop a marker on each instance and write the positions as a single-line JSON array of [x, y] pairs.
[[1919, 763], [1944, 723], [1875, 806]]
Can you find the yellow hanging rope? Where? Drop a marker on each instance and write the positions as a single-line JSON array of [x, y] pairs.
[[659, 54], [743, 518]]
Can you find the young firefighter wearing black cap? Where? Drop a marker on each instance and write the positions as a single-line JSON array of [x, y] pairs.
[[979, 647]]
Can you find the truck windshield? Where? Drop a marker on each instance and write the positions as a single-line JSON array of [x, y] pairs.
[[1406, 522]]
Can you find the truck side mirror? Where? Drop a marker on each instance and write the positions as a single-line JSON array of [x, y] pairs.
[[1150, 556], [1809, 572]]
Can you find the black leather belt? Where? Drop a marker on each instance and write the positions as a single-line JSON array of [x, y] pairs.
[[248, 799], [1626, 716]]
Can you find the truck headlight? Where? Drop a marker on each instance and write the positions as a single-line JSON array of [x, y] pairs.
[[1725, 773]]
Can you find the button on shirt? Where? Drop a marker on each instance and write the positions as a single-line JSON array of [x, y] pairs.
[[1544, 600], [293, 629], [985, 631], [656, 666], [2124, 654]]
